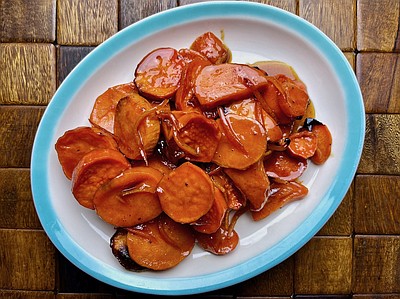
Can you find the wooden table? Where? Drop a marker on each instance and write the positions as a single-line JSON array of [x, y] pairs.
[[356, 254]]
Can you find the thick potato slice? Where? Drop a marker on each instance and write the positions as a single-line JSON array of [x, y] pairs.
[[224, 83], [160, 244], [209, 45], [253, 182], [130, 198], [281, 195], [95, 169], [158, 75], [75, 143], [137, 134], [242, 143], [186, 194], [103, 111]]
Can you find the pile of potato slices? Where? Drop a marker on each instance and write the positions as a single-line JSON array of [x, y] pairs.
[[176, 156]]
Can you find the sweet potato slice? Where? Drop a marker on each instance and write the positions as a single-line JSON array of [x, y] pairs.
[[158, 75], [324, 144], [281, 194], [211, 221], [130, 198], [186, 194], [224, 83], [185, 99], [75, 143], [137, 134], [209, 45], [233, 197], [251, 137], [95, 169], [221, 242], [159, 244], [119, 248], [198, 133], [103, 111], [283, 166], [253, 182], [303, 144], [295, 100]]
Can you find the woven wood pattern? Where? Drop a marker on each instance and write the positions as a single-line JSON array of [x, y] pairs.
[[356, 254]]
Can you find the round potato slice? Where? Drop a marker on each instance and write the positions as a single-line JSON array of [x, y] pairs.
[[130, 198], [93, 170], [186, 194], [160, 244]]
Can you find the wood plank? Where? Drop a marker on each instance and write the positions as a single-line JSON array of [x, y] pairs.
[[381, 154], [18, 127], [378, 25], [376, 264], [323, 266], [379, 77], [376, 296], [131, 11], [16, 204], [15, 294], [341, 222], [86, 22], [27, 73], [84, 296], [336, 19], [378, 199], [28, 261], [28, 21], [67, 58], [73, 280], [277, 281]]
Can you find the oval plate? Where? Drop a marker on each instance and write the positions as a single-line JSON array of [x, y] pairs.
[[253, 32]]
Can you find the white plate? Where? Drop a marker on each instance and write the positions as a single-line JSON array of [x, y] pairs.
[[253, 32]]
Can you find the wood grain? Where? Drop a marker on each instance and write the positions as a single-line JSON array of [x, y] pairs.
[[341, 222], [335, 18], [86, 22], [278, 281], [378, 25], [16, 204], [131, 11], [67, 58], [27, 21], [381, 153], [377, 205], [27, 73], [376, 266], [379, 77], [17, 132], [27, 260], [84, 296], [323, 266], [16, 294]]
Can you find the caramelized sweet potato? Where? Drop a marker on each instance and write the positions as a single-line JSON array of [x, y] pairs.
[[95, 169], [253, 182], [211, 221], [137, 134], [158, 75], [303, 144], [281, 194], [75, 143], [295, 100], [209, 45], [250, 145], [159, 244], [186, 194], [283, 166], [103, 111], [130, 198], [324, 144], [224, 83], [221, 242]]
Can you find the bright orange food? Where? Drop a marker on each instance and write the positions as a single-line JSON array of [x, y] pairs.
[[175, 157]]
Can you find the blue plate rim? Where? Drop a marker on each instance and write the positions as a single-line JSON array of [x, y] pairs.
[[279, 252]]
